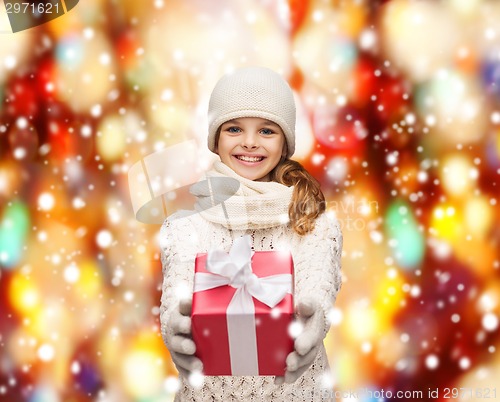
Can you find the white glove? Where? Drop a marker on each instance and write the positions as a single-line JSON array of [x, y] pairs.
[[181, 345], [307, 344]]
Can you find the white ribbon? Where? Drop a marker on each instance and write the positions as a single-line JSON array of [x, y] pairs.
[[235, 269]]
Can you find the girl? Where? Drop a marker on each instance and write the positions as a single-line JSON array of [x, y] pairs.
[[252, 129]]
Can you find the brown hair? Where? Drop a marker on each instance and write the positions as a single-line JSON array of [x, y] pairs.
[[308, 201]]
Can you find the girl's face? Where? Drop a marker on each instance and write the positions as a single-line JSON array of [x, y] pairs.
[[251, 146]]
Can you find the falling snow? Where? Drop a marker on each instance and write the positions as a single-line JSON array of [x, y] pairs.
[[387, 117]]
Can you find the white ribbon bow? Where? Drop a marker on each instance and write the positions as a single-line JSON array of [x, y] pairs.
[[235, 269]]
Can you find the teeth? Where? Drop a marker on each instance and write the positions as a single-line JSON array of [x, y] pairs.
[[249, 158]]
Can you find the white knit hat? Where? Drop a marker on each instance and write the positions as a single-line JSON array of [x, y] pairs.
[[252, 92]]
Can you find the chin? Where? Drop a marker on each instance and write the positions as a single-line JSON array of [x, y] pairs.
[[246, 175]]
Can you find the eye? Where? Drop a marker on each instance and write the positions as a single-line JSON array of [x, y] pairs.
[[232, 129], [266, 131]]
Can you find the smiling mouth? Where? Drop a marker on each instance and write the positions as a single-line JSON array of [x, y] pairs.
[[249, 158]]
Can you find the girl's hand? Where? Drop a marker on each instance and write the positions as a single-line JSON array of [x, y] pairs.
[[307, 344], [182, 347]]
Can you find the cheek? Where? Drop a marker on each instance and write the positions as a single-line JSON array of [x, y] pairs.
[[281, 148], [223, 148]]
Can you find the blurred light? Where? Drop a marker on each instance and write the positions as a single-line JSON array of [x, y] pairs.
[[336, 169], [86, 131], [464, 363], [432, 362], [352, 18], [184, 38], [389, 295], [46, 201], [455, 174], [13, 50], [295, 329], [143, 369], [82, 81], [489, 300], [173, 117], [73, 311], [78, 203], [89, 285], [490, 322], [366, 347], [368, 318], [325, 58], [44, 393], [104, 239], [24, 294], [495, 117], [466, 8], [196, 379], [74, 171], [71, 273], [368, 39], [14, 226], [46, 352], [4, 181], [172, 384], [478, 216], [304, 142], [111, 138], [335, 316], [403, 228], [454, 106], [69, 51], [446, 223], [75, 367], [390, 349], [421, 37]]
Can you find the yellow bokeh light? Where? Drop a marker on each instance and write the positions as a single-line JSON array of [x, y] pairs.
[[141, 375], [54, 318], [465, 8], [170, 117], [89, 284], [423, 53], [446, 223], [111, 141], [478, 216], [489, 300], [389, 296], [457, 175], [368, 318], [143, 367], [24, 295], [352, 18]]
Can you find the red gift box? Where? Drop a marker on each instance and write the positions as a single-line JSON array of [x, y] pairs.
[[231, 342]]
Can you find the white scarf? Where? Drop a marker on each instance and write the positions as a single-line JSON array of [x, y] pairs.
[[239, 203]]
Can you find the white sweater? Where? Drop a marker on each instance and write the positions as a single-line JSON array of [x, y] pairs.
[[316, 258]]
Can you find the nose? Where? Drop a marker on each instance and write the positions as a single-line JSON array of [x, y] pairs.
[[249, 140]]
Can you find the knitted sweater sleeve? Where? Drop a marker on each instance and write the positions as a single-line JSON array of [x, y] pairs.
[[318, 265], [178, 245]]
